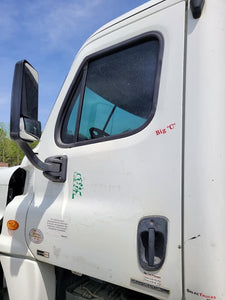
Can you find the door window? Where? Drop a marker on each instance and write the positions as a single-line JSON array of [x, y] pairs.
[[70, 121], [118, 94]]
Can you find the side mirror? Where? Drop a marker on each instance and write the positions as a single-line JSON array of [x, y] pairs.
[[24, 124]]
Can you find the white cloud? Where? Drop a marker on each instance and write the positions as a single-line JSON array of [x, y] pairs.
[[54, 23], [49, 23]]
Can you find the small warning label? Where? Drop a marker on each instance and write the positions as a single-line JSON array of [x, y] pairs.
[[149, 286], [152, 279], [57, 225]]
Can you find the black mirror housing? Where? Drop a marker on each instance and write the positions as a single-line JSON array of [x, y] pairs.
[[24, 124]]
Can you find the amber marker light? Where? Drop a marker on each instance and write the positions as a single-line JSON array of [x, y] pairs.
[[12, 225]]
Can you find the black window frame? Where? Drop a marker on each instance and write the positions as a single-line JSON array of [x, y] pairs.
[[81, 76]]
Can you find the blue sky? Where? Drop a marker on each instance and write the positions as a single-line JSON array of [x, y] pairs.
[[48, 33]]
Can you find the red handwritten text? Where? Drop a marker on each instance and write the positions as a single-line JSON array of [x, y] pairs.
[[165, 130]]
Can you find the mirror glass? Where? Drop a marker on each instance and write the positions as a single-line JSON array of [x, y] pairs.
[[29, 108], [24, 104]]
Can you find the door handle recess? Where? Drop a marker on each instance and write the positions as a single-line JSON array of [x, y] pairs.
[[152, 242]]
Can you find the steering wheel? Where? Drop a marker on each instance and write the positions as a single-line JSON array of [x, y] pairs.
[[97, 133]]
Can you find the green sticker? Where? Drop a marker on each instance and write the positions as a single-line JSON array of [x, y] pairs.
[[77, 185]]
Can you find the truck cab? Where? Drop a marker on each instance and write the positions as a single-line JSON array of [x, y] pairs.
[[123, 197]]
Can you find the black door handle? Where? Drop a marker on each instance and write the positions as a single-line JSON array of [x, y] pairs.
[[152, 242], [151, 246]]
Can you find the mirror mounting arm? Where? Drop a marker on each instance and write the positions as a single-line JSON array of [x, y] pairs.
[[54, 168]]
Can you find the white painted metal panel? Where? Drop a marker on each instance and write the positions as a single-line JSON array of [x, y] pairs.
[[204, 228], [34, 280], [5, 175], [124, 179]]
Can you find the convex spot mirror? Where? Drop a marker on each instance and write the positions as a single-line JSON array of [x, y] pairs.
[[24, 124]]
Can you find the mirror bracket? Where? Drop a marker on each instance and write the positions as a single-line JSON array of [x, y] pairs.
[[54, 168], [59, 175]]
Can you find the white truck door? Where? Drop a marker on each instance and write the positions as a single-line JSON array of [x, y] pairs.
[[118, 215]]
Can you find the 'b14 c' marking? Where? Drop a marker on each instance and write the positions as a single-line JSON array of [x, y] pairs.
[[165, 130]]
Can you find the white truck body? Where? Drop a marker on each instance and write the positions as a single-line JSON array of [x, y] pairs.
[[171, 171]]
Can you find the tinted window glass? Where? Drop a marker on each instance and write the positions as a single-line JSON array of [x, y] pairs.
[[117, 95], [69, 123], [119, 91]]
